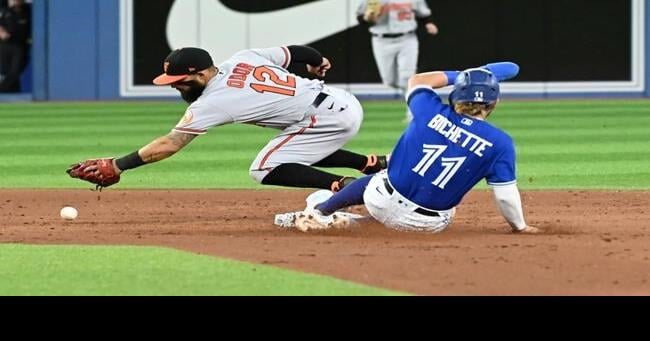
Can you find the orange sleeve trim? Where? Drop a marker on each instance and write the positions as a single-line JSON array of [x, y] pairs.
[[190, 131], [287, 57]]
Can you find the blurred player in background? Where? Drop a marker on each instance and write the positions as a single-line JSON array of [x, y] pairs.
[[254, 87], [15, 42], [443, 153], [392, 24]]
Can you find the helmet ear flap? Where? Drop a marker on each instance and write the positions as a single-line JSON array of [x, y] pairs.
[[452, 96]]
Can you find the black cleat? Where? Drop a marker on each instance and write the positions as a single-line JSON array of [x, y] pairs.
[[340, 184], [375, 164]]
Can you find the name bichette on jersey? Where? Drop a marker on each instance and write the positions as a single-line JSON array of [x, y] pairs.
[[454, 133]]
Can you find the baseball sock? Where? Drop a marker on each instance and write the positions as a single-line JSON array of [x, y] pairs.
[[350, 195], [297, 175], [344, 159], [367, 164]]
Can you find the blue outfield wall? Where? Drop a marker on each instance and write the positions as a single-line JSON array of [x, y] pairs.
[[76, 51], [647, 48]]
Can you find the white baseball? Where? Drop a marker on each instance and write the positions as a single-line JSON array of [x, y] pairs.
[[69, 213]]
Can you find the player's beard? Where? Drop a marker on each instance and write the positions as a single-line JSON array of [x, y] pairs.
[[193, 93]]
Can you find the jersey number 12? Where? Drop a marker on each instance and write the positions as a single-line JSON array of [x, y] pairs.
[[282, 87], [451, 164]]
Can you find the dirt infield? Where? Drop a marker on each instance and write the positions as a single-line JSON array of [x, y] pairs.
[[595, 242]]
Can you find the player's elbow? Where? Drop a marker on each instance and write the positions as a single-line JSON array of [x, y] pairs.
[[419, 80], [413, 81]]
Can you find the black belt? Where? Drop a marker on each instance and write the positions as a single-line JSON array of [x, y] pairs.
[[391, 35], [319, 99], [422, 211]]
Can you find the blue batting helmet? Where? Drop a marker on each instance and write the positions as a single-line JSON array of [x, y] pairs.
[[475, 86]]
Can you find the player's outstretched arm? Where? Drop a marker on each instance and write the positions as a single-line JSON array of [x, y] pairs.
[[435, 80], [105, 172], [509, 204], [159, 149], [438, 79]]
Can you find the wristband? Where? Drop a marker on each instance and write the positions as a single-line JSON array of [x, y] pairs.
[[451, 76], [130, 161]]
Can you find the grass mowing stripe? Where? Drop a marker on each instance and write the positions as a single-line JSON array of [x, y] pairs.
[[216, 161], [585, 147], [559, 138], [121, 270]]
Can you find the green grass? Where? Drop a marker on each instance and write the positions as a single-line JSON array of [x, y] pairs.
[[560, 144], [126, 271]]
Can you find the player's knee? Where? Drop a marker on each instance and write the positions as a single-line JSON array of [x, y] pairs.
[[351, 127], [258, 174]]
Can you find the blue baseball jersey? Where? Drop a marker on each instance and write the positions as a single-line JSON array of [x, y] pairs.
[[443, 154]]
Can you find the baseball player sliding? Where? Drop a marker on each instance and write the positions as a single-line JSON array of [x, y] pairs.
[[443, 153], [254, 87], [392, 25]]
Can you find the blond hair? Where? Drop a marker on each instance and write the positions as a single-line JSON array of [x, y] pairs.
[[474, 109]]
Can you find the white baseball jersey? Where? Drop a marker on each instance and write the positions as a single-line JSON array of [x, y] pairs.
[[397, 16], [253, 86]]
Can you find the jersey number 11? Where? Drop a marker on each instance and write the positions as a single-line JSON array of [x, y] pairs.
[[451, 164]]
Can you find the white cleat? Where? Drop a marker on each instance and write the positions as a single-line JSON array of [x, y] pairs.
[[316, 198], [337, 220], [286, 220], [314, 220]]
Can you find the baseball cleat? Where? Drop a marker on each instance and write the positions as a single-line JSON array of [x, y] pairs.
[[286, 220], [341, 220], [316, 198], [375, 164], [314, 220], [339, 184]]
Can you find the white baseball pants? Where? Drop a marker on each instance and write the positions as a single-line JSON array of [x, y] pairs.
[[396, 59], [322, 131], [397, 212]]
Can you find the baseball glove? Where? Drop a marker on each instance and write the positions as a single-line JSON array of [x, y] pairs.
[[373, 8], [97, 171]]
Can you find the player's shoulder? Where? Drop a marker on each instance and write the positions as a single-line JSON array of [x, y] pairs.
[[244, 56], [498, 136], [500, 132], [208, 101]]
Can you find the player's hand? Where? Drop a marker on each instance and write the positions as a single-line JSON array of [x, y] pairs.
[[320, 70], [528, 230], [432, 29], [371, 16], [373, 11]]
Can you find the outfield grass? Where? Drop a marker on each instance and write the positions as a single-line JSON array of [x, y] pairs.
[[121, 270], [560, 144]]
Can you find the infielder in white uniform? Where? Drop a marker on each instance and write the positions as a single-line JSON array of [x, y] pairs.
[[394, 43], [254, 87]]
